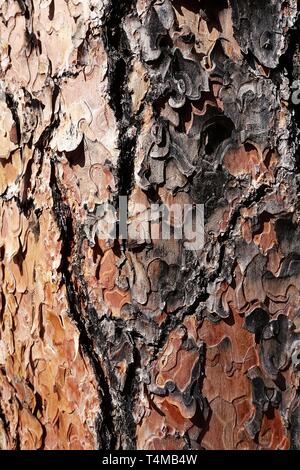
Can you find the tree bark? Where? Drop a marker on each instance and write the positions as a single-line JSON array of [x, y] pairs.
[[139, 343]]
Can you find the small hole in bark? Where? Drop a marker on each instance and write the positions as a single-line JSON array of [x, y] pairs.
[[215, 134]]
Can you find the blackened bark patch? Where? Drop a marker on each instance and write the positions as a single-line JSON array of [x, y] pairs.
[[120, 57], [105, 426], [13, 106]]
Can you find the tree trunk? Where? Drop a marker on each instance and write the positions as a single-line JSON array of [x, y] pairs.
[[138, 342]]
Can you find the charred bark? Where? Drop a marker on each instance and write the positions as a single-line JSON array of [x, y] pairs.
[[137, 342]]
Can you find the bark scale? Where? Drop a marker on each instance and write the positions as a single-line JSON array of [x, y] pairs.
[[139, 343]]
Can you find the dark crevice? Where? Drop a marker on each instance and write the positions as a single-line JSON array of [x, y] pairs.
[[173, 321], [124, 425], [289, 64], [13, 106], [130, 388], [77, 156], [255, 196], [3, 419], [119, 67], [105, 426], [25, 9], [51, 10]]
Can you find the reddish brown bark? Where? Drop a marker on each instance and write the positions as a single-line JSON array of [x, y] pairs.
[[139, 343]]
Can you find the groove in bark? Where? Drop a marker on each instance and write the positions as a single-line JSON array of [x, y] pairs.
[[138, 343]]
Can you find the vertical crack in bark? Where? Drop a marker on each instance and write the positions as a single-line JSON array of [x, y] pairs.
[[13, 106], [105, 426], [121, 401], [119, 65], [197, 97]]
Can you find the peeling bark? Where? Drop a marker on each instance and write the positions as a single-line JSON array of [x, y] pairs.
[[139, 343]]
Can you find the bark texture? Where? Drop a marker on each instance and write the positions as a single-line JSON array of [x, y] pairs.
[[140, 343]]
